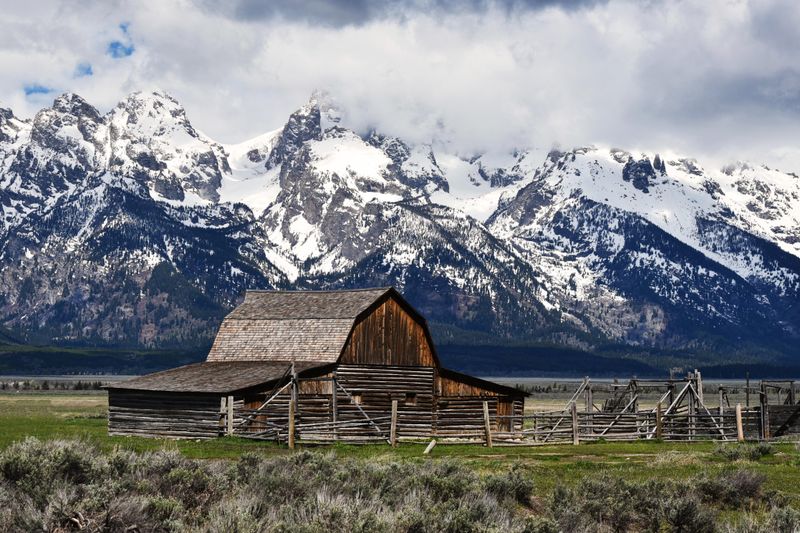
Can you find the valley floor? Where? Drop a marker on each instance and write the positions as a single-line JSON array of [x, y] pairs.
[[83, 416]]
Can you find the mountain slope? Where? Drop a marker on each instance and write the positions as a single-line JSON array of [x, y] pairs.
[[135, 228], [652, 253]]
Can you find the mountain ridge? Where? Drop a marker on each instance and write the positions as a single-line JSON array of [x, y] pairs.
[[135, 228]]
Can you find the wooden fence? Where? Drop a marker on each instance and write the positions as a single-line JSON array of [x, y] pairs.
[[573, 426], [538, 428], [679, 415]]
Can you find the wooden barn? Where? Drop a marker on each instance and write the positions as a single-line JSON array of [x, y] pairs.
[[353, 365]]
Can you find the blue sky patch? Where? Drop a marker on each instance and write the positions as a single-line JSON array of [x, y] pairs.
[[35, 88], [83, 69], [118, 49], [121, 48]]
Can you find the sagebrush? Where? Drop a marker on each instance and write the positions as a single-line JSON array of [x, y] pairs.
[[73, 486]]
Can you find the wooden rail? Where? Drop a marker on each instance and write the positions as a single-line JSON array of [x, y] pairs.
[[679, 415], [734, 424]]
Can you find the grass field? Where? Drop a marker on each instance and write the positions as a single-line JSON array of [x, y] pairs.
[[559, 484], [83, 415]]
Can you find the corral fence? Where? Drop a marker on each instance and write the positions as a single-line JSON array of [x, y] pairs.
[[680, 414]]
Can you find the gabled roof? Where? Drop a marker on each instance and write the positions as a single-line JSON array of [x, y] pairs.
[[217, 378], [296, 305], [301, 326]]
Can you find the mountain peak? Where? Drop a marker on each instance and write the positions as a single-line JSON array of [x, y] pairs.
[[151, 113], [330, 113], [73, 104], [156, 101], [9, 125], [319, 97]]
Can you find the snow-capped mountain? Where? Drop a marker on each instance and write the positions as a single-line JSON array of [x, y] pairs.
[[134, 227], [653, 250]]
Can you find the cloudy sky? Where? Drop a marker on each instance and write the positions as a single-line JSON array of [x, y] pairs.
[[718, 79]]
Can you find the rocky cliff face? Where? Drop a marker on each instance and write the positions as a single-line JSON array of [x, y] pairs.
[[134, 228]]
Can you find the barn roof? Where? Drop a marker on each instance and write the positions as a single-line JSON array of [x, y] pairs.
[[298, 305], [218, 378], [303, 326], [481, 383]]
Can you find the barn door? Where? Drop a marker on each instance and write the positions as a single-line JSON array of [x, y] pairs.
[[505, 408]]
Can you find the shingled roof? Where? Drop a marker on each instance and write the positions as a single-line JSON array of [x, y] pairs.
[[214, 378], [303, 326]]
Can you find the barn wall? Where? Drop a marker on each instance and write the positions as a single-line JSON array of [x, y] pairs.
[[388, 336], [451, 387], [376, 386], [163, 414], [513, 408], [459, 416], [412, 387], [784, 420], [314, 404], [462, 416]]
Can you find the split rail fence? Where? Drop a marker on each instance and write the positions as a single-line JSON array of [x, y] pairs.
[[679, 415]]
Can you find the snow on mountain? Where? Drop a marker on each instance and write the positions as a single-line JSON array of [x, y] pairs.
[[249, 181], [162, 229], [680, 194], [49, 156], [10, 129], [152, 141], [479, 185], [605, 228]]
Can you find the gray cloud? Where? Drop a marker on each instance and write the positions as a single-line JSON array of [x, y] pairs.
[[708, 78], [339, 13]]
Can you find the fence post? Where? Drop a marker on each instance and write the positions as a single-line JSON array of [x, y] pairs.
[[747, 390], [699, 386], [486, 424], [693, 399], [575, 434], [393, 429], [334, 407], [429, 447], [739, 427], [764, 400], [659, 421], [223, 425], [589, 408], [291, 424], [229, 416], [588, 394], [292, 407]]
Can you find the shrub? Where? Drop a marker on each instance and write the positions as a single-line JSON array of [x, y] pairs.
[[540, 524], [236, 515], [732, 488], [34, 466], [743, 485], [783, 520], [744, 451], [685, 514], [17, 511], [62, 485], [515, 485]]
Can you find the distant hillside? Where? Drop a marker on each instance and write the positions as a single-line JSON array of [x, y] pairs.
[[47, 360], [481, 360]]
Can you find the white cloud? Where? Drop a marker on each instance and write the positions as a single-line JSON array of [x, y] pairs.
[[714, 78]]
